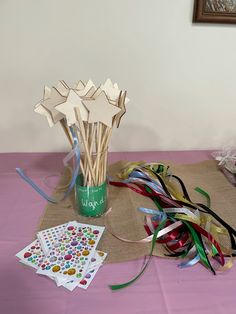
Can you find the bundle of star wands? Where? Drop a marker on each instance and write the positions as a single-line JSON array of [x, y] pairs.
[[91, 113], [94, 134]]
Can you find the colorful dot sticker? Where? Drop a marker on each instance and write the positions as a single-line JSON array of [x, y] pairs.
[[83, 282], [55, 268], [68, 257], [27, 254], [71, 271], [85, 252]]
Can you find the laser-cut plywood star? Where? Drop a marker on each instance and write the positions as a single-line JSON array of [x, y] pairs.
[[63, 88], [90, 93], [50, 103], [67, 108], [46, 92], [79, 85], [121, 105], [112, 91], [41, 110], [97, 92], [82, 92], [100, 110]]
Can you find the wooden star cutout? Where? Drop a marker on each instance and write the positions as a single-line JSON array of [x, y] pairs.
[[67, 108], [79, 85], [41, 110], [100, 110], [90, 93], [121, 105], [63, 88], [126, 99], [50, 103], [86, 88], [111, 91], [97, 93], [46, 92]]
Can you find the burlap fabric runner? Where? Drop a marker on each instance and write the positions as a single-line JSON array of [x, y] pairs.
[[127, 222]]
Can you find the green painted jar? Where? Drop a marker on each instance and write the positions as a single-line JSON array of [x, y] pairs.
[[91, 201]]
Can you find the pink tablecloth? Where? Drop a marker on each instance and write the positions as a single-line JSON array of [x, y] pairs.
[[162, 289]]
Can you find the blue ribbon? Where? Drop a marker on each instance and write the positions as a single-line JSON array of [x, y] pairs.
[[34, 186], [158, 215], [73, 179], [153, 184], [190, 263]]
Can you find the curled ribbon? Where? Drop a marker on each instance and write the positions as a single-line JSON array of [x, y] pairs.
[[191, 230], [74, 152]]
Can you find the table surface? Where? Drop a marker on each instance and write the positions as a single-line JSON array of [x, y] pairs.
[[164, 288]]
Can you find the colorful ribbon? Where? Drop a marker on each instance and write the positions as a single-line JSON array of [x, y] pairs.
[[74, 152], [188, 231]]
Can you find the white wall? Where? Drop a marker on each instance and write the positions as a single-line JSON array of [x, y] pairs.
[[180, 77]]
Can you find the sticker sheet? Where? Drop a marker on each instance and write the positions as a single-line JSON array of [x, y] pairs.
[[88, 278], [97, 259], [48, 237], [71, 285], [95, 262], [69, 258], [32, 255]]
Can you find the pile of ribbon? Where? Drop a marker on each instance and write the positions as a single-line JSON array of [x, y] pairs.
[[193, 232]]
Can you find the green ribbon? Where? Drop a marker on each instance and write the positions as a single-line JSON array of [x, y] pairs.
[[126, 284], [194, 234], [204, 193], [198, 244]]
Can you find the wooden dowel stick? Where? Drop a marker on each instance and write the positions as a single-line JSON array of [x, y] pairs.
[[98, 153], [88, 157]]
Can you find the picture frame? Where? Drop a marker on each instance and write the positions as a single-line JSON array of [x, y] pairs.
[[214, 11]]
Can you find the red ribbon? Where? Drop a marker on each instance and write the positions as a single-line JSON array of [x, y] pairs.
[[211, 239]]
